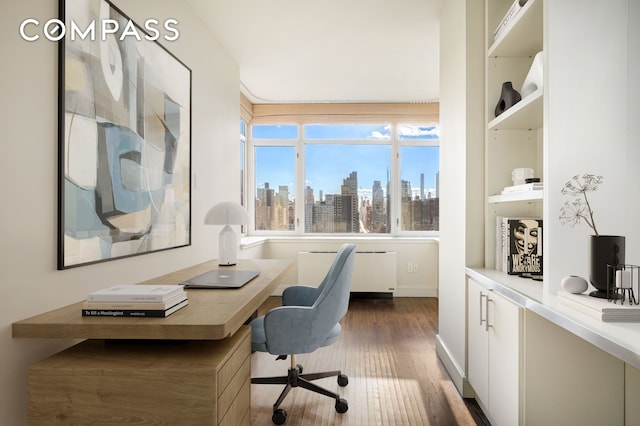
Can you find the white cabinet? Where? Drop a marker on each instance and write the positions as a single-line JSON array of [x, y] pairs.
[[494, 349], [631, 394], [569, 381]]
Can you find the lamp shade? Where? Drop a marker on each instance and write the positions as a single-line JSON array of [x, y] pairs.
[[226, 213]]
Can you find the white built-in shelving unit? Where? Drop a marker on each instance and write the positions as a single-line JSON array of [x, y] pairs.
[[514, 139], [546, 350]]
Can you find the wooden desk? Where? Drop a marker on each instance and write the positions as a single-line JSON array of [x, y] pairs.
[[202, 379], [210, 315]]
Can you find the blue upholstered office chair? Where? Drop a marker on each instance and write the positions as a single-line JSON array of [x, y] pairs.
[[308, 319]]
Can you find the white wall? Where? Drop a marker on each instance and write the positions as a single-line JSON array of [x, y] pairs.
[[633, 133], [592, 127], [461, 176], [28, 116]]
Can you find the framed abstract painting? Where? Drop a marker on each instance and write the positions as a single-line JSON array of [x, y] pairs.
[[124, 138]]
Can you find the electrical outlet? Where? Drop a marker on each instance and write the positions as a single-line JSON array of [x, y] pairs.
[[415, 267], [409, 267]]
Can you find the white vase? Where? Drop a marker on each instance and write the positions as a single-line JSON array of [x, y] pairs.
[[574, 284], [533, 80]]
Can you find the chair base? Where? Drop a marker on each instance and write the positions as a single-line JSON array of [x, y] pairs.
[[294, 379]]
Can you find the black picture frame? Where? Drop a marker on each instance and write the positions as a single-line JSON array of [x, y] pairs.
[[124, 139]]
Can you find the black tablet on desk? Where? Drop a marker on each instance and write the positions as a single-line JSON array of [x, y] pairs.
[[221, 278]]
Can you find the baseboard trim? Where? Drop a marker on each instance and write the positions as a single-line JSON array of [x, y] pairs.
[[371, 295], [456, 373], [415, 292], [399, 292]]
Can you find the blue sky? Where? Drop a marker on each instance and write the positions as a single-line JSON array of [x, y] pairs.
[[328, 164]]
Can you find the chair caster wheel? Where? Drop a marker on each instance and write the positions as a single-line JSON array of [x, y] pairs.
[[299, 368], [279, 416], [341, 405], [343, 380]]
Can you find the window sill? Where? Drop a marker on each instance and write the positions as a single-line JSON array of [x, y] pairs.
[[248, 242]]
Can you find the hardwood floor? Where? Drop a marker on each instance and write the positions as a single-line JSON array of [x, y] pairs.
[[387, 348]]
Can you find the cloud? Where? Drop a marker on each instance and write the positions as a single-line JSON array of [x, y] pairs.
[[419, 132]]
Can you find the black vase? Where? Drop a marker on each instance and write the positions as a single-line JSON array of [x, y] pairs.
[[604, 250], [508, 98]]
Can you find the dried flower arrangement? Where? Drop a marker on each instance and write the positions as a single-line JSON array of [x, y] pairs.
[[572, 212]]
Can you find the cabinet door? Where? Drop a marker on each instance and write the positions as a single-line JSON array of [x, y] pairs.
[[478, 350], [504, 360]]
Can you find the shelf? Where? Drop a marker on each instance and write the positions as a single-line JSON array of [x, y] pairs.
[[525, 115], [524, 36], [517, 196]]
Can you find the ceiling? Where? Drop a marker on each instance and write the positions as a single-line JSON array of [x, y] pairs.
[[319, 51]]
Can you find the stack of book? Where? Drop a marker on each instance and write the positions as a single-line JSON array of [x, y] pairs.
[[519, 246], [525, 187], [601, 309], [135, 301]]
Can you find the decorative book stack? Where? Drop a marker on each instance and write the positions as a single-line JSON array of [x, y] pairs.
[[519, 246], [135, 301], [600, 308], [525, 187]]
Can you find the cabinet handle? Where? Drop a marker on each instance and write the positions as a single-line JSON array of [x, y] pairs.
[[485, 319], [486, 309]]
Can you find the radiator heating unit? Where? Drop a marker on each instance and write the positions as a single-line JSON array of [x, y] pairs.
[[373, 271]]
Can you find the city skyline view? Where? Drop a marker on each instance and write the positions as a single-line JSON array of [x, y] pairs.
[[327, 163], [348, 182]]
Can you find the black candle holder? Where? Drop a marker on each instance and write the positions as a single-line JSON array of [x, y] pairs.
[[623, 281]]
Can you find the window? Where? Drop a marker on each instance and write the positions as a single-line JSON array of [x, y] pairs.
[[275, 177], [351, 178], [419, 178], [346, 178], [341, 181]]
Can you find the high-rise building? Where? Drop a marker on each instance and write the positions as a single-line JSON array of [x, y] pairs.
[[405, 190], [378, 219], [308, 195], [349, 194]]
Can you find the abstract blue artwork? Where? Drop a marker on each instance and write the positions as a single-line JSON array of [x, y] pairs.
[[124, 140]]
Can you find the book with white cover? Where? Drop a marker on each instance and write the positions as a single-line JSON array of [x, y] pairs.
[[500, 263], [525, 187], [136, 305], [601, 309], [136, 293], [508, 18]]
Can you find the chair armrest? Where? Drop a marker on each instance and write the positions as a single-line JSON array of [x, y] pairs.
[[299, 295]]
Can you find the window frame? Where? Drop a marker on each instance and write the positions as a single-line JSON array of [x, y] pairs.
[[411, 143], [251, 178], [395, 116], [304, 143]]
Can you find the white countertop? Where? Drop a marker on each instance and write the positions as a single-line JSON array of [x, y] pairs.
[[620, 339]]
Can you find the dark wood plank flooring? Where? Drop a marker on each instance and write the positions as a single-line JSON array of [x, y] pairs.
[[387, 348]]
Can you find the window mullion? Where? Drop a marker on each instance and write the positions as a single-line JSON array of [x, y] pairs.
[[300, 184]]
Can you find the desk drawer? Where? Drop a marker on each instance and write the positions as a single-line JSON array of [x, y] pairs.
[[235, 361], [234, 385], [238, 412]]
